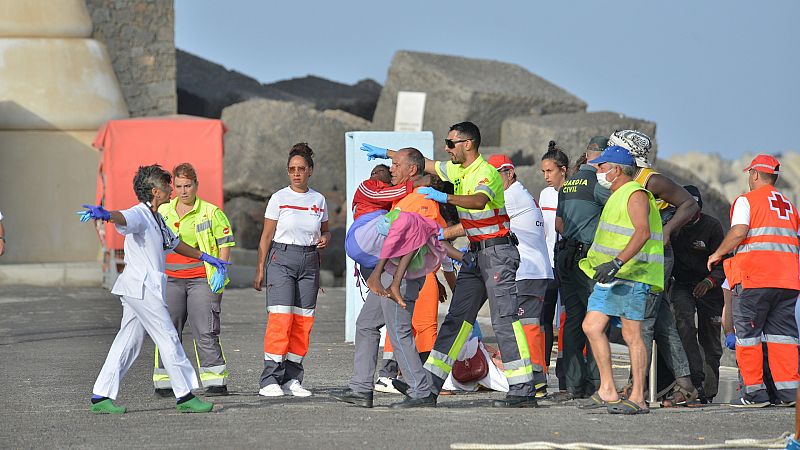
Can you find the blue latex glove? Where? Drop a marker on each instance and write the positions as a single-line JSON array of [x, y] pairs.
[[469, 260], [730, 341], [440, 235], [95, 212], [457, 262], [433, 194], [374, 152], [216, 262], [218, 280]]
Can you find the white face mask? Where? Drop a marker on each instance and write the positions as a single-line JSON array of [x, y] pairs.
[[602, 181]]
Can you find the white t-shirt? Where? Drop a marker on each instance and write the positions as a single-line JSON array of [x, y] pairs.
[[1, 215], [299, 216], [528, 224], [548, 201], [145, 239], [741, 212]]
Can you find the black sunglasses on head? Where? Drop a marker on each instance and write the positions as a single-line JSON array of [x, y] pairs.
[[451, 144]]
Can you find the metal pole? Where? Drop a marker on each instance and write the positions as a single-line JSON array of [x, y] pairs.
[[653, 376]]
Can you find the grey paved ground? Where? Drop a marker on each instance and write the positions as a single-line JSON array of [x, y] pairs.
[[53, 342]]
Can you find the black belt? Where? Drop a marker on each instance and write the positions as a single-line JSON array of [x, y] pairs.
[[295, 248], [486, 243]]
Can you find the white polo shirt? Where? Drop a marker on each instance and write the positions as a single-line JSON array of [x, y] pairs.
[[548, 201], [144, 253], [299, 215], [528, 224]]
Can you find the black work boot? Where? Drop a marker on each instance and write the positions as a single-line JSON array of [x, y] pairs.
[[516, 401], [216, 391], [424, 402], [362, 399], [401, 386], [164, 392]]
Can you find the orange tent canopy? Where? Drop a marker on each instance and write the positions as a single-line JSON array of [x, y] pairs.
[[168, 141]]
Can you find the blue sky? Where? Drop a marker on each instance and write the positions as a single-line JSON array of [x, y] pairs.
[[716, 76]]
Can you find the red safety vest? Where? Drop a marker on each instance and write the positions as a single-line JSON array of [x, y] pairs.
[[768, 256]]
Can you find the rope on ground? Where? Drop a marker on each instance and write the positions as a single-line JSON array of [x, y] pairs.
[[779, 442]]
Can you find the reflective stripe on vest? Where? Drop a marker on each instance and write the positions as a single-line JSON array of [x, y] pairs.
[[614, 231], [771, 242], [206, 241], [175, 267]]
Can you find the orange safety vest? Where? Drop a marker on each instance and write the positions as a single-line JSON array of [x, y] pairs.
[[768, 256]]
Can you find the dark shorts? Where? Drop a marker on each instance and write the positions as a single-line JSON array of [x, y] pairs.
[[624, 299]]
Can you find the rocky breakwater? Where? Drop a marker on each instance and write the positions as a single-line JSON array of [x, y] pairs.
[[260, 133]]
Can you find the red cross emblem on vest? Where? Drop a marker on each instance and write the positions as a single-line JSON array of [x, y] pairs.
[[779, 204], [316, 209]]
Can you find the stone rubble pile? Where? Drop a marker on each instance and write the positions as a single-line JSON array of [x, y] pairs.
[[518, 113]]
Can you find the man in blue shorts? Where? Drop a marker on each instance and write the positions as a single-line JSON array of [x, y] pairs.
[[627, 261]]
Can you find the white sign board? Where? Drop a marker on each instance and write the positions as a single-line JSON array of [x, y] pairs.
[[410, 111], [358, 170]]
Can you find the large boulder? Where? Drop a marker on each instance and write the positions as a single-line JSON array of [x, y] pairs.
[[359, 99], [571, 131], [260, 134], [482, 91], [727, 176], [714, 202], [205, 88]]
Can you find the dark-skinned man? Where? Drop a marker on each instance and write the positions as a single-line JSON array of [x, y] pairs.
[[490, 269], [659, 323]]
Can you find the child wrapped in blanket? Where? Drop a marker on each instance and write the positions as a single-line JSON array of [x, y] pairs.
[[404, 240]]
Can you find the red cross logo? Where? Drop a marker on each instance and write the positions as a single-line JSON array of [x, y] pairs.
[[316, 209], [779, 204]]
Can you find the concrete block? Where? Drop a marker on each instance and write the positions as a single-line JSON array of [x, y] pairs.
[[458, 89], [260, 134], [87, 274], [44, 18], [571, 131], [45, 176], [57, 84]]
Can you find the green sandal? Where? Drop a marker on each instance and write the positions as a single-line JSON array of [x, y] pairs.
[[107, 407]]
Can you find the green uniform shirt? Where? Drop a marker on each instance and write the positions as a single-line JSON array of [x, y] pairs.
[[580, 202]]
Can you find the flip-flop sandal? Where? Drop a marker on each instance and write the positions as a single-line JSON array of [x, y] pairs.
[[593, 402], [627, 408], [681, 397]]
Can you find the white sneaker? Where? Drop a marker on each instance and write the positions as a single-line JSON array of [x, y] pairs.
[[384, 384], [271, 390], [293, 387]]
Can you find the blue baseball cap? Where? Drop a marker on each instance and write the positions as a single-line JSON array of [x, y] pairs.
[[615, 154]]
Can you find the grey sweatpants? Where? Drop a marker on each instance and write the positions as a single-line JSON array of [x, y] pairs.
[[377, 312], [191, 299]]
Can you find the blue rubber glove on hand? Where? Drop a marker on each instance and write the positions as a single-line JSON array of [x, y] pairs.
[[374, 152], [469, 260], [730, 341], [440, 235], [432, 194], [217, 281], [216, 262], [95, 212]]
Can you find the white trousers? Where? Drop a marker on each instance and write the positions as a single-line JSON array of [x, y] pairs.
[[139, 316]]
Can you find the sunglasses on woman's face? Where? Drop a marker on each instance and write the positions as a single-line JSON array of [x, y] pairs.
[[451, 144]]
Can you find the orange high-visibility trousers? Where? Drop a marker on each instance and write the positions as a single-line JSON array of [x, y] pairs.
[[424, 321], [530, 296], [292, 285], [766, 314]]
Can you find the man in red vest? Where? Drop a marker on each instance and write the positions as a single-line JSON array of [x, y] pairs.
[[763, 275]]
